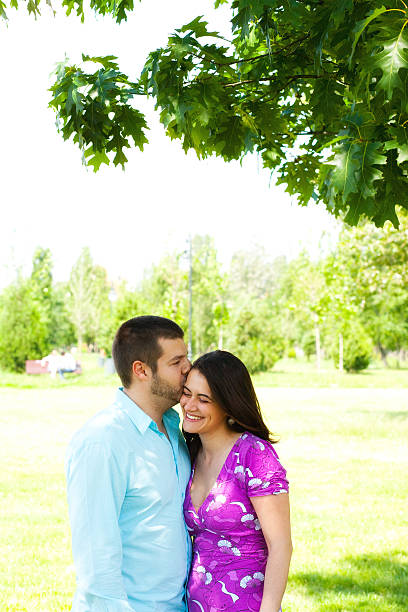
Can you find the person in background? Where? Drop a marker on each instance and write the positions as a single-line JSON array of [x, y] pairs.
[[52, 361], [67, 363], [127, 471], [237, 504]]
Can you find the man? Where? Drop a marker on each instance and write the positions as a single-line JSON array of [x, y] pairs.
[[127, 470]]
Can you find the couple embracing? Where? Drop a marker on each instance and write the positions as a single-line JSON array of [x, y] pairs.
[[136, 504]]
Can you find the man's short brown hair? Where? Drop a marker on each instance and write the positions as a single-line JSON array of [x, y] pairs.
[[137, 340]]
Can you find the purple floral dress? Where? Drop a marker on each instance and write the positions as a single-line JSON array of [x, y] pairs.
[[229, 550]]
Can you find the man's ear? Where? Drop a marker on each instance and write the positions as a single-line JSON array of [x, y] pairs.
[[140, 370]]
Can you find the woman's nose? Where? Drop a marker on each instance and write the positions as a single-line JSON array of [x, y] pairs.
[[189, 403]]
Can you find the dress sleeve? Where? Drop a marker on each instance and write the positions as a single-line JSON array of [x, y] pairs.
[[264, 475]]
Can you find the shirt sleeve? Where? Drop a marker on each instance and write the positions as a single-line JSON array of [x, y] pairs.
[[96, 487], [264, 474]]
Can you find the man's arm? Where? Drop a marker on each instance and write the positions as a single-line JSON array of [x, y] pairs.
[[96, 488]]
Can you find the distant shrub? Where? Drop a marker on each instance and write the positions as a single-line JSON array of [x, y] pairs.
[[308, 343], [291, 353], [259, 355], [357, 348], [255, 337]]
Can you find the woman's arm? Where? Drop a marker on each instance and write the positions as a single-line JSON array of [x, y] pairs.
[[274, 516]]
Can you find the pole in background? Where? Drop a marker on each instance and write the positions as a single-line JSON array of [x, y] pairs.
[[190, 299]]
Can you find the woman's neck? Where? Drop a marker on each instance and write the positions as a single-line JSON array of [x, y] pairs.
[[216, 443]]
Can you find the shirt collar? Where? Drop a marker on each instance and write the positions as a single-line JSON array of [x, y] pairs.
[[135, 413], [139, 417], [171, 418]]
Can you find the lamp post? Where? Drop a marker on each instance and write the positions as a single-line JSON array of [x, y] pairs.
[[112, 296], [190, 299]]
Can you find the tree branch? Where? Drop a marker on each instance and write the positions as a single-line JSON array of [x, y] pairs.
[[291, 78]]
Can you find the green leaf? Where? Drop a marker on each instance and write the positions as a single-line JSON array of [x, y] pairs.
[[403, 154], [98, 158], [369, 158], [133, 123], [390, 60], [344, 174], [106, 61], [361, 26], [198, 27]]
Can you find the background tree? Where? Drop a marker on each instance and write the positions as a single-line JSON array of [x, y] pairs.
[[254, 272], [210, 311], [100, 305], [41, 281], [254, 335], [23, 330], [62, 331], [128, 304], [372, 273], [88, 297], [164, 288], [306, 301], [357, 347]]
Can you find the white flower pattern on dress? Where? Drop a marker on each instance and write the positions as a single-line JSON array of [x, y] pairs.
[[226, 547], [252, 581], [206, 576]]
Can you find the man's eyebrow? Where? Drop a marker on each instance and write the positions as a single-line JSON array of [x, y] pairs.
[[177, 357]]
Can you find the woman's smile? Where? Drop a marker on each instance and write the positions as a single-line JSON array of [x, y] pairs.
[[192, 417]]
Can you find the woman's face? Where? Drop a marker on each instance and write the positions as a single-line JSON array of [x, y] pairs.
[[202, 415]]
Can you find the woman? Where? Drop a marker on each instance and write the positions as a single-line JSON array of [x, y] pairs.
[[236, 505]]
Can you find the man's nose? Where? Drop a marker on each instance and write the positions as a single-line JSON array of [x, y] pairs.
[[187, 367]]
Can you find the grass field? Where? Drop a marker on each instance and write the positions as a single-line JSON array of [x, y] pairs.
[[286, 373], [346, 454]]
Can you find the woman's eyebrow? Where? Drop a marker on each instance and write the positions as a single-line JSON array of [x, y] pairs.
[[199, 394]]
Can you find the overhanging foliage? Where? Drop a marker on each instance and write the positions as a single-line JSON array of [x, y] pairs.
[[318, 89]]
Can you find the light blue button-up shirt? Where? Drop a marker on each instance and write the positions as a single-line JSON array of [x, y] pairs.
[[126, 484]]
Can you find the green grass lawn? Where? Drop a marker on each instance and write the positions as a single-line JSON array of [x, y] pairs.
[[286, 373], [92, 376], [346, 454], [303, 373]]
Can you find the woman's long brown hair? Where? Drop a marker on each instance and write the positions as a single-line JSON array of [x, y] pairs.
[[232, 389]]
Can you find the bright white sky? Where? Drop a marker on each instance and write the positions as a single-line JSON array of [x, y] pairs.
[[128, 219]]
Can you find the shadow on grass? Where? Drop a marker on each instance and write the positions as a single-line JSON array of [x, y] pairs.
[[368, 581], [399, 415]]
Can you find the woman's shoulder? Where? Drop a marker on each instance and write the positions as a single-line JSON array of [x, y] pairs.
[[250, 441], [254, 449], [264, 473]]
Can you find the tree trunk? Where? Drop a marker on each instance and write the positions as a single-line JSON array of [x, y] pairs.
[[220, 338], [318, 351], [383, 354], [341, 367]]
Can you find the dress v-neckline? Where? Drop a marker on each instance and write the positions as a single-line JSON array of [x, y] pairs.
[[197, 510]]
